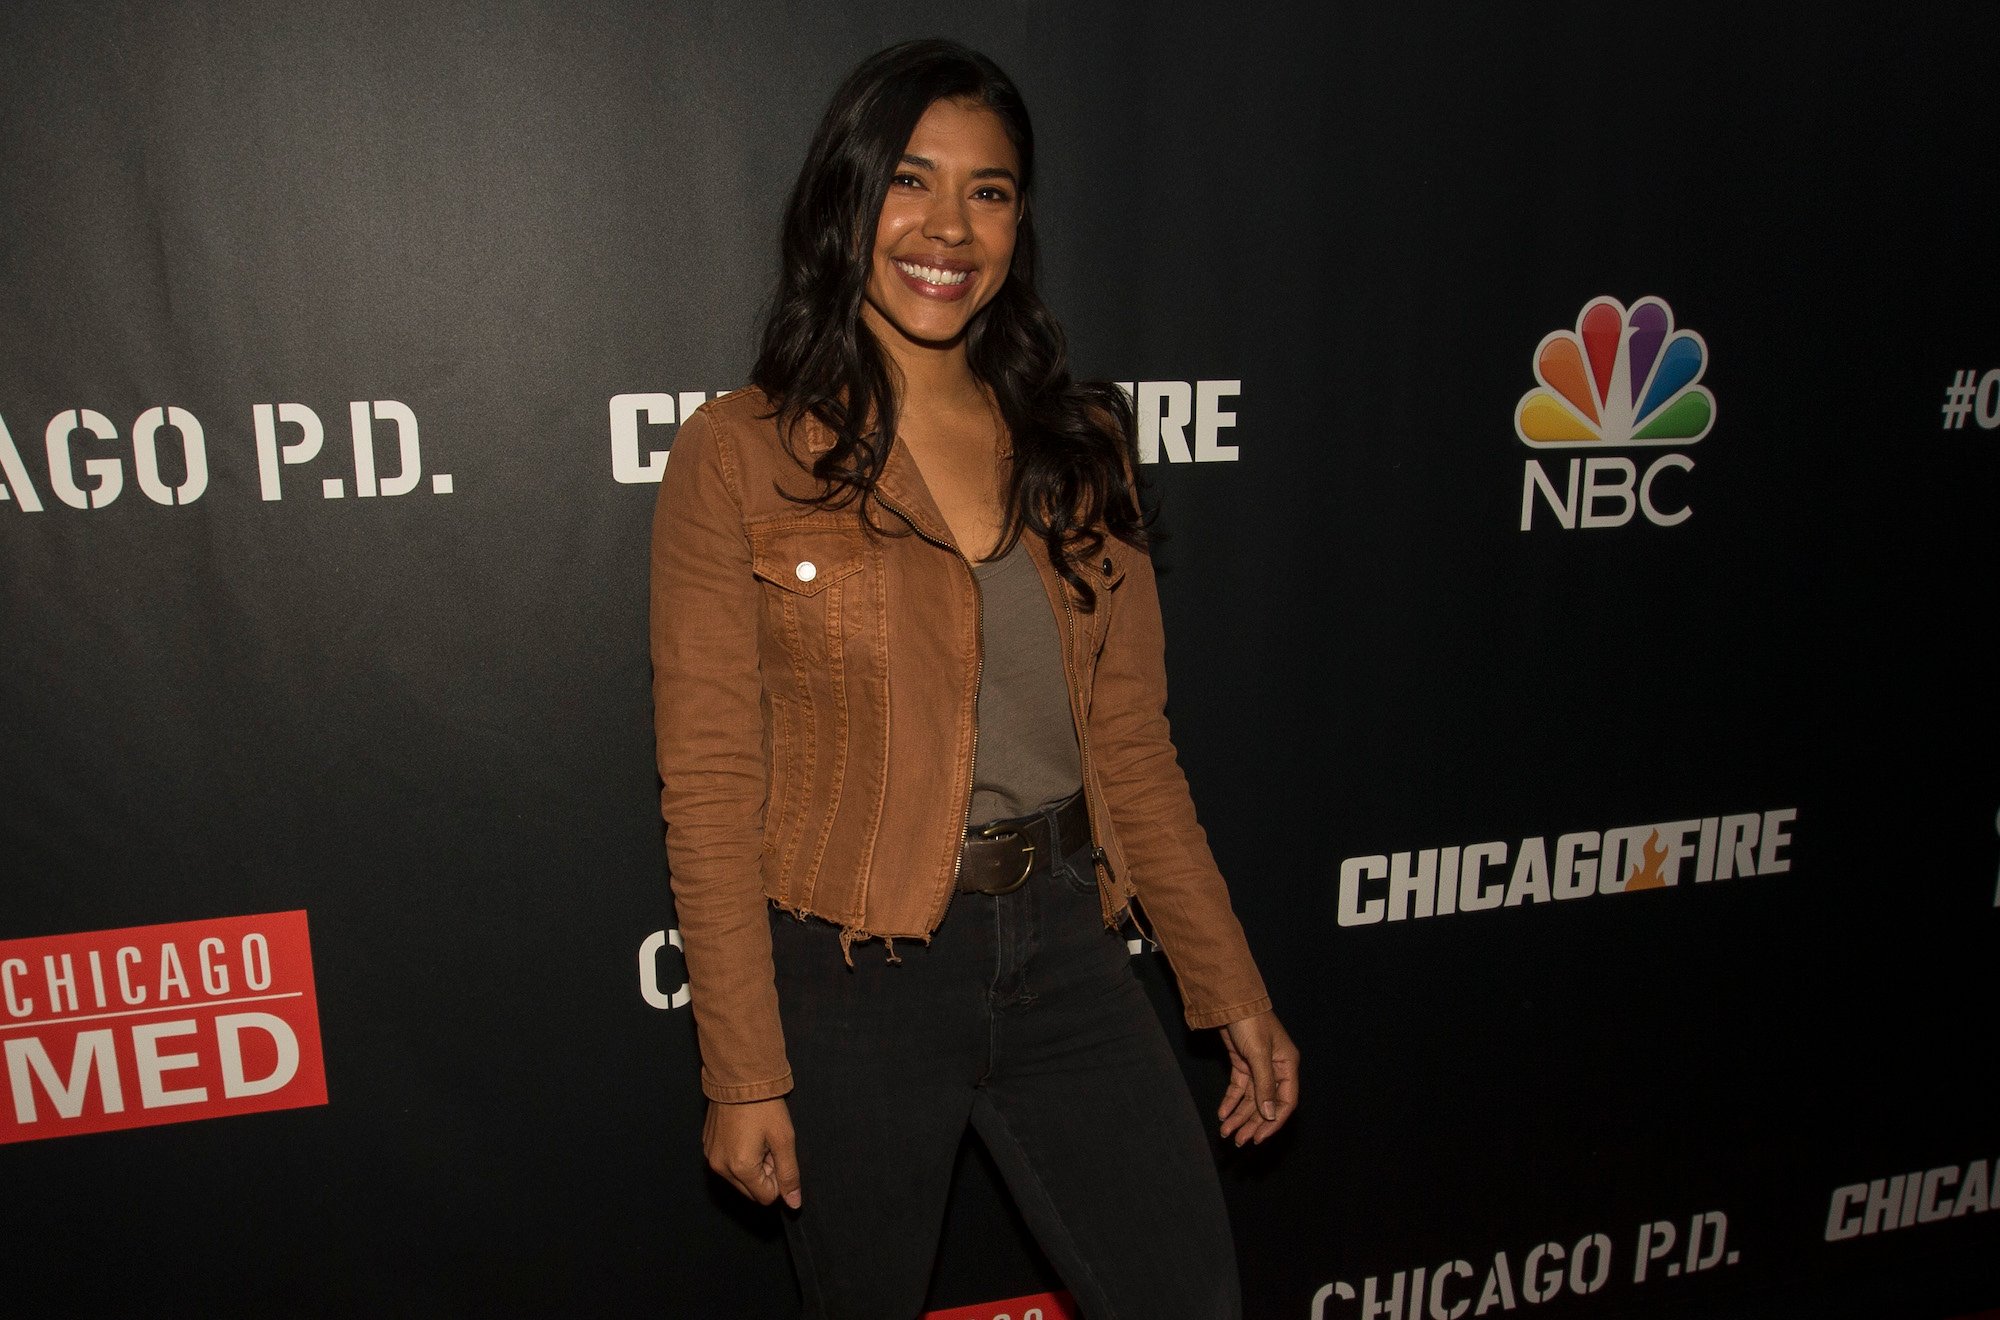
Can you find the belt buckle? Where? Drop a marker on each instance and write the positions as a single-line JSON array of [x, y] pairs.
[[1001, 830]]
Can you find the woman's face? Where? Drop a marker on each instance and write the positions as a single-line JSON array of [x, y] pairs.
[[945, 238]]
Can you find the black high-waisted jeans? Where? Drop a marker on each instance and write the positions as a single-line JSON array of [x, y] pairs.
[[1023, 1018]]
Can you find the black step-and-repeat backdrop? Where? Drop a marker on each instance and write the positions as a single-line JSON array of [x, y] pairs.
[[1577, 430]]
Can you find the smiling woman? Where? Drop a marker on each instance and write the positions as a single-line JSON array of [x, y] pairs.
[[908, 687]]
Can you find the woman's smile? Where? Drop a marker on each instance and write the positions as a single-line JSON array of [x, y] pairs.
[[936, 279]]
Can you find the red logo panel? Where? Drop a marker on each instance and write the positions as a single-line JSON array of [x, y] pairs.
[[157, 1024], [1042, 1306]]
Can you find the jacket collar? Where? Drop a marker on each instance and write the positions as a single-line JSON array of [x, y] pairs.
[[902, 484]]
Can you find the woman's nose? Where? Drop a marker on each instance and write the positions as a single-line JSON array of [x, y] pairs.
[[945, 221]]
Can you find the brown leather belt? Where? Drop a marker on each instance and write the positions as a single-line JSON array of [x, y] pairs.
[[998, 858]]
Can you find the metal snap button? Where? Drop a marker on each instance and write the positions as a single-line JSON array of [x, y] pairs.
[[806, 570]]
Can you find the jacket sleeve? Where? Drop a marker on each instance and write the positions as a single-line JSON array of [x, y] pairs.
[[708, 727], [1166, 850]]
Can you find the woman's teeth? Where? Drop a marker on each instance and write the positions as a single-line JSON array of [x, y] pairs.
[[931, 275]]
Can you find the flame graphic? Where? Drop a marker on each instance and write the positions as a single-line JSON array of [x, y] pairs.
[[1647, 875]]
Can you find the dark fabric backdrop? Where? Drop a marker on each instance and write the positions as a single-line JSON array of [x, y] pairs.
[[424, 718]]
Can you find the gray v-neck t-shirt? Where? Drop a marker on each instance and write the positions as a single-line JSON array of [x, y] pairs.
[[1027, 754]]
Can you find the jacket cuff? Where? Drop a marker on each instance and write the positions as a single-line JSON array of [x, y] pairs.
[[737, 1095], [1222, 1017]]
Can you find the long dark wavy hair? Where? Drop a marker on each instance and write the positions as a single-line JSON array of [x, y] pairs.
[[1074, 461]]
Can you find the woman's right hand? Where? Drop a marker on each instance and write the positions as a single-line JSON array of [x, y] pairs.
[[751, 1145]]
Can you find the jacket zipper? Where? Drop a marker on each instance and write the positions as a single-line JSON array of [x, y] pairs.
[[978, 674], [1097, 853]]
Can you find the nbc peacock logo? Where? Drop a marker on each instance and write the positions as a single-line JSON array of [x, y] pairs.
[[1624, 378]]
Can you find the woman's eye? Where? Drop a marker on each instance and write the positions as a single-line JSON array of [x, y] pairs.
[[993, 195], [906, 181]]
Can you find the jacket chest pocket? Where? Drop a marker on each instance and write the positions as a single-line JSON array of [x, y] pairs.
[[822, 610]]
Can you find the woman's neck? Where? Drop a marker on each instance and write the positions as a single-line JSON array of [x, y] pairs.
[[950, 428], [930, 379]]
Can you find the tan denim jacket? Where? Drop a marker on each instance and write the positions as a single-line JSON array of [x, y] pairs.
[[814, 686]]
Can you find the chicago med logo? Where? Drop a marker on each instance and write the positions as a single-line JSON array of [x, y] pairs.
[[158, 1024], [1624, 378], [1041, 1306]]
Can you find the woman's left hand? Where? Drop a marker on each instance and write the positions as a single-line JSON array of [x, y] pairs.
[[1263, 1078]]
